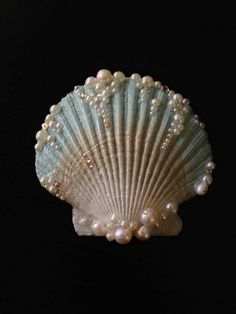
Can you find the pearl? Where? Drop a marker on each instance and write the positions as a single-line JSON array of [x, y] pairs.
[[207, 179], [41, 136], [49, 118], [110, 236], [148, 217], [123, 235], [210, 165], [45, 126], [133, 225], [201, 188], [124, 223], [179, 118], [178, 97], [104, 75], [50, 139], [90, 81], [136, 77], [55, 109], [97, 228], [147, 80], [186, 101], [176, 131], [52, 189], [158, 84], [143, 233], [119, 76], [172, 103], [172, 207], [155, 102], [171, 93], [38, 147]]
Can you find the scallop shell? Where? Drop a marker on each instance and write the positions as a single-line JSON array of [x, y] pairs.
[[124, 152]]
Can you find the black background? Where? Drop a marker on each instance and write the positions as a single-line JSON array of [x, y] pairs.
[[47, 48]]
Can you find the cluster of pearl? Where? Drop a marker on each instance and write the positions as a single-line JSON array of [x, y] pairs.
[[99, 90], [179, 107], [201, 187], [52, 185], [197, 122], [122, 230], [42, 136]]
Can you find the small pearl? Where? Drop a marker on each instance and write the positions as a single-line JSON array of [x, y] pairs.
[[207, 179], [52, 189], [97, 228], [172, 207], [176, 131], [123, 235], [133, 225], [104, 75], [171, 93], [143, 233], [178, 97], [106, 93], [38, 147], [147, 80], [158, 84], [124, 223], [172, 103], [210, 165], [55, 109], [41, 136], [119, 76], [201, 188], [90, 81], [50, 139], [45, 126], [110, 236], [155, 102], [186, 101], [136, 77], [49, 118], [179, 118]]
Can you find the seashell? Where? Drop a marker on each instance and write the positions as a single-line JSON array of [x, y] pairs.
[[124, 152]]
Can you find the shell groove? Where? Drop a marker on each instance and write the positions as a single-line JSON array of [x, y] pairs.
[[124, 152]]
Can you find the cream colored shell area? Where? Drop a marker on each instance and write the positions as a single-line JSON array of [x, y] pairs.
[[121, 166]]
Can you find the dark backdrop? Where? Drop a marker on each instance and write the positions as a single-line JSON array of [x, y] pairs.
[[48, 47]]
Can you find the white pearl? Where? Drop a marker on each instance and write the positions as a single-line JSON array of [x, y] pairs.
[[136, 77], [155, 102], [55, 109], [38, 147], [90, 81], [97, 228], [49, 118], [157, 84], [52, 189], [50, 139], [178, 97], [119, 76], [201, 188], [124, 223], [41, 136], [172, 207], [179, 118], [106, 93], [133, 225], [123, 235], [176, 131], [143, 233], [110, 236], [99, 86], [210, 165], [147, 80], [207, 179], [104, 75]]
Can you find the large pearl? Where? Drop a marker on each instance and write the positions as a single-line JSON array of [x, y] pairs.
[[55, 109], [104, 75], [201, 188], [178, 97], [119, 76], [147, 80], [143, 233], [97, 228], [123, 235], [136, 77]]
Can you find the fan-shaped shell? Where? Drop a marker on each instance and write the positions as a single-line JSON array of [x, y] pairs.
[[124, 152]]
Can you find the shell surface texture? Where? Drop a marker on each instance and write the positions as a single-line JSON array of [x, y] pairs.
[[124, 152]]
